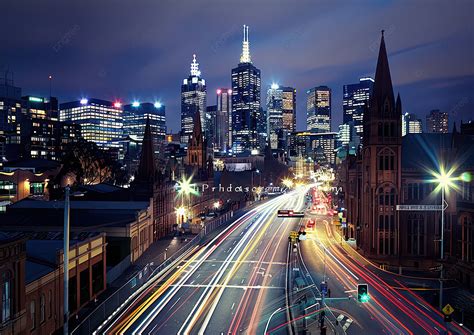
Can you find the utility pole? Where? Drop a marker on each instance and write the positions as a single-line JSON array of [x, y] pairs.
[[66, 261], [441, 273]]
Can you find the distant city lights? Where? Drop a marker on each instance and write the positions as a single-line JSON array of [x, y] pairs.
[[219, 91], [275, 86], [117, 104], [158, 104], [84, 101], [135, 104]]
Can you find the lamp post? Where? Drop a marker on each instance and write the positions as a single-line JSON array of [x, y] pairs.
[[66, 261]]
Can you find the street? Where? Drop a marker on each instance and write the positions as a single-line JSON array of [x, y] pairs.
[[235, 283]]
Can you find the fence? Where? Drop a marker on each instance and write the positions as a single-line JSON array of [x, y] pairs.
[[128, 291]]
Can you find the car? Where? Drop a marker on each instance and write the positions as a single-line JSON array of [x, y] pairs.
[[310, 224]]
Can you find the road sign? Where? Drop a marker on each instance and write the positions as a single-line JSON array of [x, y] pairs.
[[420, 207], [448, 309]]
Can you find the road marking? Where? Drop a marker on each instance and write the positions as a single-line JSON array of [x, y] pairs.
[[199, 275], [152, 329], [348, 323], [340, 317], [174, 304], [233, 304], [245, 287]]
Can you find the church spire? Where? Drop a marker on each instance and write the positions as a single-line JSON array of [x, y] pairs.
[[146, 168], [383, 89], [195, 67], [245, 57]]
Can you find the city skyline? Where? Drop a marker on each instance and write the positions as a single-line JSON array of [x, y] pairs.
[[443, 82]]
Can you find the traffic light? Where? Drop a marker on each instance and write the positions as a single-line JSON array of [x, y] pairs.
[[363, 293]]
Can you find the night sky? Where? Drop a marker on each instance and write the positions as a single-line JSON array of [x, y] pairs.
[[142, 49]]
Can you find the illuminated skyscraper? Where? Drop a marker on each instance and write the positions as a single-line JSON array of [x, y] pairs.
[[223, 119], [193, 99], [100, 121], [274, 114], [288, 96], [411, 125], [245, 101], [355, 101], [136, 115], [437, 122], [318, 109]]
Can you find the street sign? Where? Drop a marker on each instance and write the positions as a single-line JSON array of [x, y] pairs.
[[420, 207], [448, 309]]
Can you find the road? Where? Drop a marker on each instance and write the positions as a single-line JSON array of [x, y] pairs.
[[229, 285], [234, 282], [392, 308]]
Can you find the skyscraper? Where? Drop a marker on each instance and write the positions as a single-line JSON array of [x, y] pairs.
[[318, 109], [101, 121], [411, 125], [193, 98], [437, 122], [223, 118], [136, 115], [289, 108], [274, 114], [245, 101], [355, 101]]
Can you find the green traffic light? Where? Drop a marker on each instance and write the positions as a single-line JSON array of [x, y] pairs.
[[364, 298]]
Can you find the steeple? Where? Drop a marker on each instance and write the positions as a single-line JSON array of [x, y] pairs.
[[197, 137], [146, 168], [245, 57], [383, 89], [195, 67]]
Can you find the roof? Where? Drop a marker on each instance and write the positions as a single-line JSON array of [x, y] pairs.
[[38, 164], [35, 271], [81, 205], [101, 188]]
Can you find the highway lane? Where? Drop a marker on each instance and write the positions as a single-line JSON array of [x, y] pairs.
[[230, 285]]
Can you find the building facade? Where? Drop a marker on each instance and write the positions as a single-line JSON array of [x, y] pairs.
[[100, 121], [193, 99], [411, 124], [355, 102], [274, 115], [246, 87], [437, 122], [222, 129], [289, 108], [318, 109]]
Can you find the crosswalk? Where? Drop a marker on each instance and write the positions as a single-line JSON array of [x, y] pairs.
[[348, 322]]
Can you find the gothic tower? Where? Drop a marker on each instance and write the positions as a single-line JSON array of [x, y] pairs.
[[381, 165], [197, 148]]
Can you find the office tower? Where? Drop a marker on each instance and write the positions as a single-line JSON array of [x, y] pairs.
[[318, 109], [193, 99], [245, 102], [437, 122], [10, 114], [348, 135], [40, 128], [209, 126], [274, 114], [288, 96], [136, 115], [262, 129], [355, 101], [101, 121], [223, 119], [411, 125]]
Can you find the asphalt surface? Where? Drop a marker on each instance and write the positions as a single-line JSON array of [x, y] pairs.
[[230, 285]]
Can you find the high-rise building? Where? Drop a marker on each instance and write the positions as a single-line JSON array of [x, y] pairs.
[[208, 127], [355, 101], [318, 109], [193, 99], [245, 101], [437, 122], [101, 121], [289, 108], [40, 128], [222, 129], [10, 114], [347, 135], [274, 114], [411, 125], [136, 115]]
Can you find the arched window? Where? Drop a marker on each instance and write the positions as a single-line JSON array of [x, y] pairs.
[[386, 160], [6, 296], [33, 314], [42, 308]]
